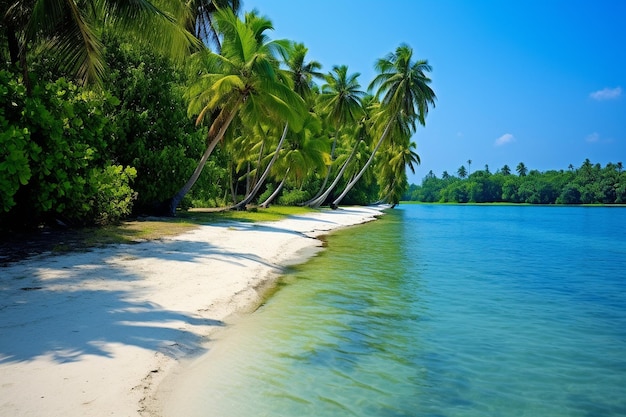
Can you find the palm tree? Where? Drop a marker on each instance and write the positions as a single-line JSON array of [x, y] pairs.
[[243, 81], [461, 172], [506, 170], [521, 169], [301, 75], [341, 103], [356, 135], [259, 183], [301, 72], [392, 175], [71, 31], [306, 152], [201, 21], [469, 167], [406, 97]]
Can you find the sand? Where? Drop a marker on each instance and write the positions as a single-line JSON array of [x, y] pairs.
[[94, 333]]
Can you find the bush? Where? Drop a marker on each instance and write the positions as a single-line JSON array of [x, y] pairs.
[[293, 197], [113, 198], [51, 142]]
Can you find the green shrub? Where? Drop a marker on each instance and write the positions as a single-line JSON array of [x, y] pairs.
[[113, 198], [50, 144], [293, 197]]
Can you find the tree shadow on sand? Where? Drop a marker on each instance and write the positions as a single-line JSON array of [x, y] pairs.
[[89, 301], [92, 300]]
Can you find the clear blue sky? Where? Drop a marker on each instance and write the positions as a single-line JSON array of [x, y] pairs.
[[538, 81]]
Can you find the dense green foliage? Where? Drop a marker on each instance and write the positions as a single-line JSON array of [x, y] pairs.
[[153, 133], [53, 150], [588, 184], [101, 118]]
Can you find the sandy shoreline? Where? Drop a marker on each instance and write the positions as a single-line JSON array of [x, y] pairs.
[[93, 333]]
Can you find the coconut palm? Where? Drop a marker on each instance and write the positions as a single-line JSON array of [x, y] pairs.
[[243, 81], [70, 30], [392, 177], [406, 97], [247, 150], [301, 72], [201, 21], [341, 103], [306, 152], [273, 158], [355, 136]]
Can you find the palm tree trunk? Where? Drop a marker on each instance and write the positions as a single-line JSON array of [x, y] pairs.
[[258, 164], [175, 201], [276, 192], [261, 180], [14, 45], [233, 192], [17, 55], [320, 200], [367, 164], [328, 171], [248, 178], [321, 189]]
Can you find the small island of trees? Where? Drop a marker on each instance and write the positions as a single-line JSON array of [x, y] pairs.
[[588, 184]]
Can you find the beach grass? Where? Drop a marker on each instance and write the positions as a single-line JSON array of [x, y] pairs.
[[151, 228]]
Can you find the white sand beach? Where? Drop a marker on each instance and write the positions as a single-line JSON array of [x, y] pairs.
[[93, 333]]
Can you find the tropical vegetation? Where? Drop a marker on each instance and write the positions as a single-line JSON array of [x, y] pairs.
[[111, 108], [588, 184]]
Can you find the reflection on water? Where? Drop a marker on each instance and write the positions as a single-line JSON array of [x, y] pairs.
[[437, 311]]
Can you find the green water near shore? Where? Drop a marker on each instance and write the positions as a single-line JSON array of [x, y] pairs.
[[437, 311]]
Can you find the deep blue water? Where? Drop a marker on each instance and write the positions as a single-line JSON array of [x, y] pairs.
[[438, 310]]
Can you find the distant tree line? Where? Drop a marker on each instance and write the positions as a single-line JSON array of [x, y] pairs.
[[588, 184]]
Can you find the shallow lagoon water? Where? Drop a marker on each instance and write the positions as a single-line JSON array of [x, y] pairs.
[[436, 311]]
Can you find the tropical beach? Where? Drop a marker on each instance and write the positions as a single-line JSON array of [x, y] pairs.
[[167, 174], [93, 333]]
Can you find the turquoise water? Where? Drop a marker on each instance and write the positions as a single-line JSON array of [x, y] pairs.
[[438, 311]]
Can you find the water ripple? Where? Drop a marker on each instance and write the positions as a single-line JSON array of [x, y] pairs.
[[440, 311]]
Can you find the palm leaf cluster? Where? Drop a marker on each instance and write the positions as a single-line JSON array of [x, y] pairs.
[[71, 31]]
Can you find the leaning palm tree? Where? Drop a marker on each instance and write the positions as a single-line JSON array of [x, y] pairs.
[[306, 152], [300, 74], [341, 103], [243, 81], [392, 177], [70, 30], [406, 97], [357, 137], [268, 168]]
